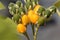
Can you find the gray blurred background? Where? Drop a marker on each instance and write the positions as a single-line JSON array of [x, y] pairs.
[[52, 29]]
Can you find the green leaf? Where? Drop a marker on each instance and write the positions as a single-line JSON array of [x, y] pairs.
[[2, 6], [8, 29], [57, 4]]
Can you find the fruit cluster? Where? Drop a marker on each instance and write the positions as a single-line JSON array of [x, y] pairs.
[[28, 12]]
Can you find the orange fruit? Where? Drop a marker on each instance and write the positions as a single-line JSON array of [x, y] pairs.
[[36, 8], [21, 28], [25, 19], [34, 18], [30, 13]]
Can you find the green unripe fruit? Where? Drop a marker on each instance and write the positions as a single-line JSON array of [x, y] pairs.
[[28, 4], [18, 3], [16, 17], [20, 10], [40, 11], [47, 13], [41, 20], [36, 1], [12, 10], [53, 9], [11, 5]]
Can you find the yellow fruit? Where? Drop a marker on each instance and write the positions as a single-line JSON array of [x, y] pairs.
[[30, 13], [36, 8], [25, 19], [34, 18], [21, 28]]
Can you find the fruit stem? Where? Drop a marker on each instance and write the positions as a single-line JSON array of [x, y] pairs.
[[25, 9], [33, 28], [16, 11], [36, 30], [26, 35]]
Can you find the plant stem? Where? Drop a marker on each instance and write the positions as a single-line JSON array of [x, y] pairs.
[[36, 30], [32, 28], [26, 35]]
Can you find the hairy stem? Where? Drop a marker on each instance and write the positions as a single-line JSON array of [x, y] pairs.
[[35, 34], [33, 28], [26, 35]]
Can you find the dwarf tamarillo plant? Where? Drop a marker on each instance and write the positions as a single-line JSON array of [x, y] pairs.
[[31, 13]]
